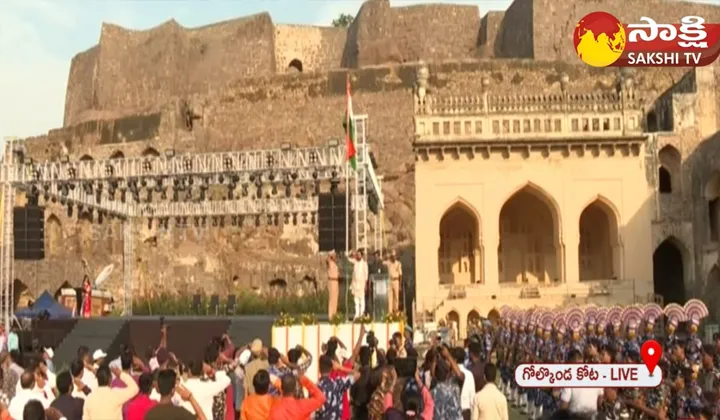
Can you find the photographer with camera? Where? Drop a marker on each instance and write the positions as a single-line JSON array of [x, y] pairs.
[[362, 389]]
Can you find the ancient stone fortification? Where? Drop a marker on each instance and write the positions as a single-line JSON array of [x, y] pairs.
[[255, 84]]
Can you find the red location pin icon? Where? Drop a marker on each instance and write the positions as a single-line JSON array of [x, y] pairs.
[[651, 352]]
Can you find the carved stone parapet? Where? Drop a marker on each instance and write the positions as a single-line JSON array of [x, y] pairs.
[[523, 104], [510, 128]]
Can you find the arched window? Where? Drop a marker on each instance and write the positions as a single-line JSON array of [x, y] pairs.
[[528, 251], [652, 122], [664, 181], [296, 64], [150, 152], [670, 168], [712, 195], [598, 252], [459, 254]]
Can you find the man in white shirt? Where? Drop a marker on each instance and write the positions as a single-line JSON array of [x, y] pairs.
[[359, 282], [204, 390], [467, 390], [47, 356], [580, 400], [490, 403], [43, 384], [88, 376], [27, 392]]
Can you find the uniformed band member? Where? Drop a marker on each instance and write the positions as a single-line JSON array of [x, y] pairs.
[[542, 335]]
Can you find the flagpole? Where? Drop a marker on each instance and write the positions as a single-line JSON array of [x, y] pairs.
[[347, 234], [348, 282]]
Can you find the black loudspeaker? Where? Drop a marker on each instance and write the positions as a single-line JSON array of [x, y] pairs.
[[29, 232], [331, 222]]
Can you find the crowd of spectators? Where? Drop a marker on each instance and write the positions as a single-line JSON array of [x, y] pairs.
[[253, 382]]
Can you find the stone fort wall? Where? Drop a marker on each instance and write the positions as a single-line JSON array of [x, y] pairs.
[[133, 70]]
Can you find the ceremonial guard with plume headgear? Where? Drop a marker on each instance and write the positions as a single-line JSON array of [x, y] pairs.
[[488, 340], [591, 323], [651, 313], [575, 319], [632, 315], [601, 327], [615, 338], [695, 311], [674, 314]]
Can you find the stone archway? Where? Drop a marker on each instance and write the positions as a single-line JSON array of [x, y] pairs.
[[599, 248], [529, 250], [150, 152], [53, 235], [669, 271], [460, 254], [453, 318], [296, 65], [712, 197], [669, 169], [473, 320]]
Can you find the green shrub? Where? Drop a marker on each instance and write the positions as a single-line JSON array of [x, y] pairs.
[[248, 303]]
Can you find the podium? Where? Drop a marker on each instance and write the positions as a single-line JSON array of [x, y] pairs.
[[380, 284]]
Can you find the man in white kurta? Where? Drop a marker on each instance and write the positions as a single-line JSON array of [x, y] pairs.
[[359, 282]]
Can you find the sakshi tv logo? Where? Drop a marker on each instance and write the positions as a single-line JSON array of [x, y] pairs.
[[601, 40]]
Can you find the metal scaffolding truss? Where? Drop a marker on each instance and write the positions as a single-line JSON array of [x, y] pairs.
[[95, 184], [302, 164], [230, 207]]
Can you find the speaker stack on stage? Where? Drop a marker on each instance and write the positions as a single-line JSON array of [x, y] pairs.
[[331, 222], [29, 233]]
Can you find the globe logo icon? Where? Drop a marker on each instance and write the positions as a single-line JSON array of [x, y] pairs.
[[599, 39]]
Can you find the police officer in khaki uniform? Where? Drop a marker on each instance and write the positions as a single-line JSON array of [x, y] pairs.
[[395, 273]]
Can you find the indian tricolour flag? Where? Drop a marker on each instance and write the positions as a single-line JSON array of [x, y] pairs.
[[349, 125]]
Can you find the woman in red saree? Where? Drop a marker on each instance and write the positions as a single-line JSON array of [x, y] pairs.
[[87, 297]]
